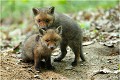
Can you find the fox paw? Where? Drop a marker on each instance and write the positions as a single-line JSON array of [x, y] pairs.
[[74, 64]]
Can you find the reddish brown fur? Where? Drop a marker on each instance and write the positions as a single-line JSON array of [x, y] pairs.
[[40, 46], [44, 19]]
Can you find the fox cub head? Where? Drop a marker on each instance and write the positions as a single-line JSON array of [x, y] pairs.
[[50, 38], [44, 17]]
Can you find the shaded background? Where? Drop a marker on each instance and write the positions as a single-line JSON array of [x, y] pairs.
[[16, 10]]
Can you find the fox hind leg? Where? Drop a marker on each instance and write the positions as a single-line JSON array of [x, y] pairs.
[[76, 49], [81, 52]]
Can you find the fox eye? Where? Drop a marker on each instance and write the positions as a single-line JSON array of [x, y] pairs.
[[47, 40], [47, 20], [39, 20]]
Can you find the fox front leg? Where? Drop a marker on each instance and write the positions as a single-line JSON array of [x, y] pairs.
[[36, 61], [48, 63]]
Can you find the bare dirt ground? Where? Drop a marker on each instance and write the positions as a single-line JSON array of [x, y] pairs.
[[98, 57]]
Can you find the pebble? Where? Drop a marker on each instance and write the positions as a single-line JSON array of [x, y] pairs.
[[36, 76], [69, 67]]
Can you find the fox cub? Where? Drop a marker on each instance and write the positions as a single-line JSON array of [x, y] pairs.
[[46, 18], [40, 46]]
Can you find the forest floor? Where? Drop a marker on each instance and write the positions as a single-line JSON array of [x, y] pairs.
[[98, 58]]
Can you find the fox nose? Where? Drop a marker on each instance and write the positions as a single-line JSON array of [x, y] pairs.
[[52, 48]]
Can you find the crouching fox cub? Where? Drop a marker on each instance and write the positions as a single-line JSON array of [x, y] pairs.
[[40, 46]]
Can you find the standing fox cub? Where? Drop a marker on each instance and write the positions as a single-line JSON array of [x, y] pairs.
[[40, 46], [46, 18]]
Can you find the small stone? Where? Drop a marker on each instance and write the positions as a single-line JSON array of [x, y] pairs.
[[69, 67], [81, 64], [38, 71], [109, 61], [7, 68], [29, 69], [85, 53], [36, 76]]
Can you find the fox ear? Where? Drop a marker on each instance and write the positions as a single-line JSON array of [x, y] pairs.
[[59, 30], [51, 10], [42, 31], [35, 11]]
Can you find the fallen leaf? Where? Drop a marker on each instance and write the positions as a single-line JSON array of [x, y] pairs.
[[87, 43]]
